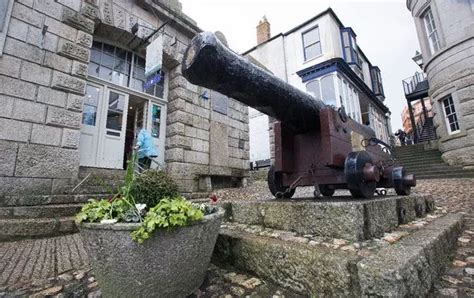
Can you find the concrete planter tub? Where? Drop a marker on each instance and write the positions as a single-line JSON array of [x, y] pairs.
[[171, 263]]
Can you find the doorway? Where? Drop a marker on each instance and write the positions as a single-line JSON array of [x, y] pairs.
[[136, 119]]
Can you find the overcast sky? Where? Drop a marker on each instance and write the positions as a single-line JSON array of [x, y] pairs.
[[385, 31]]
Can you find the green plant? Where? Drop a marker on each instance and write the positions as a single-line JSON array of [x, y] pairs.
[[151, 186], [168, 213]]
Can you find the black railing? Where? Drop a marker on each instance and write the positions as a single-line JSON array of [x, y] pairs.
[[415, 84], [422, 124]]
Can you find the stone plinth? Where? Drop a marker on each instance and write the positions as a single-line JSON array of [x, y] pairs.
[[344, 218]]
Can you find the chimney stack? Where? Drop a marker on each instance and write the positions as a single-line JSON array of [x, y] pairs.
[[263, 30]]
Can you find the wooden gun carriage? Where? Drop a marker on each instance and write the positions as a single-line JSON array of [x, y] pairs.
[[315, 144]]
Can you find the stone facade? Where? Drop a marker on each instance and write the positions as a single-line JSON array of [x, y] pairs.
[[43, 77], [450, 72]]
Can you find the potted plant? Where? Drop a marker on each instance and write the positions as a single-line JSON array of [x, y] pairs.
[[148, 241]]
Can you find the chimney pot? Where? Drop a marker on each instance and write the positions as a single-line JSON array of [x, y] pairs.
[[263, 30]]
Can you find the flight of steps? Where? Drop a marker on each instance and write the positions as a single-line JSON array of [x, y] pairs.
[[30, 216], [428, 133], [428, 164]]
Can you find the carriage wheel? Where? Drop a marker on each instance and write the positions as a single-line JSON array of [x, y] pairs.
[[361, 174], [401, 182]]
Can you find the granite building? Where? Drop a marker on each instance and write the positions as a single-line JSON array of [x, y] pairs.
[[72, 95], [446, 34]]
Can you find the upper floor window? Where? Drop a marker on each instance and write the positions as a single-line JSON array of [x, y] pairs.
[[451, 118], [121, 67], [311, 43], [350, 54], [431, 31], [376, 78]]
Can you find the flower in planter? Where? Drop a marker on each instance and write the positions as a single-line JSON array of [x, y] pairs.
[[214, 199]]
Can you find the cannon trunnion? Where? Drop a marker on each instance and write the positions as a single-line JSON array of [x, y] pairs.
[[314, 144]]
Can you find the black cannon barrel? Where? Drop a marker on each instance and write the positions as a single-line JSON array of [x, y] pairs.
[[209, 63]]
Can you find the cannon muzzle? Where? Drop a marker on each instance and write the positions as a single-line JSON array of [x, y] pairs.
[[209, 63]]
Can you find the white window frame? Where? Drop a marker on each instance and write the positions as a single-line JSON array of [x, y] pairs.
[[305, 46], [431, 31], [452, 109]]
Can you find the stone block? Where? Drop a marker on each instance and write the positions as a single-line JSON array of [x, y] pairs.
[[46, 135], [201, 123], [406, 210], [29, 111], [71, 50], [6, 106], [71, 138], [72, 4], [34, 73], [381, 216], [7, 158], [57, 62], [47, 41], [26, 14], [178, 169], [17, 29], [218, 144], [51, 97], [300, 267], [106, 13], [60, 29], [176, 128], [249, 213], [84, 39], [120, 17], [78, 21], [196, 157], [395, 271], [27, 186], [79, 69], [10, 66], [90, 11], [22, 50], [47, 162], [63, 118], [178, 141], [174, 154], [49, 7], [14, 130], [74, 102], [199, 145], [179, 116], [220, 171], [68, 83]]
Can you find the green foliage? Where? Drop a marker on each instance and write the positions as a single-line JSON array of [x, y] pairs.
[[96, 210], [168, 213], [151, 186]]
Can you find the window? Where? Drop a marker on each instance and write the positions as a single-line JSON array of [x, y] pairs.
[[349, 99], [313, 88], [431, 31], [451, 119], [155, 120], [328, 91], [311, 44], [91, 101], [350, 54], [115, 65], [115, 111], [376, 77]]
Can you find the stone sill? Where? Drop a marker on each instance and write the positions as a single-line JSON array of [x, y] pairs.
[[457, 135]]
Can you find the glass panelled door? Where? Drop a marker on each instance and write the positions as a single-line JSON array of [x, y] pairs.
[[103, 127]]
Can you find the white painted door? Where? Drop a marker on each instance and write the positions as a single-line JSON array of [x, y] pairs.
[[90, 128], [112, 134], [104, 120]]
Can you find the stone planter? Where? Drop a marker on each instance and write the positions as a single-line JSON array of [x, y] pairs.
[[169, 264]]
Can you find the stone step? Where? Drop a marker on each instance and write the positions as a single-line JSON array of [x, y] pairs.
[[445, 176], [102, 173], [415, 158], [42, 211], [37, 200], [405, 267], [338, 217], [14, 229]]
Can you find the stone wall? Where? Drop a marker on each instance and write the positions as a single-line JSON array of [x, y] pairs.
[[450, 73], [43, 74]]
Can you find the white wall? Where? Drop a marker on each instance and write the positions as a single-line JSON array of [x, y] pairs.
[[259, 135]]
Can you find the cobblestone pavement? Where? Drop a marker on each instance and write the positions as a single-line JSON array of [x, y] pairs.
[[59, 266]]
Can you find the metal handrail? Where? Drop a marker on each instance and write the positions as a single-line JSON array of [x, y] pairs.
[[409, 84], [138, 169]]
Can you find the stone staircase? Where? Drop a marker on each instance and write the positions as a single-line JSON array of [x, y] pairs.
[[427, 163], [340, 247], [30, 216], [428, 133]]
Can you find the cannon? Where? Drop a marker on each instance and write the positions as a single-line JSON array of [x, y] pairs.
[[315, 144]]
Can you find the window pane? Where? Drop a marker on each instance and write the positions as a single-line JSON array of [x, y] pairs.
[[313, 88], [109, 49], [107, 60], [121, 54], [139, 73], [93, 69], [311, 37], [116, 101], [95, 55], [328, 91], [155, 121], [89, 115], [97, 45], [114, 120], [137, 84], [313, 51], [92, 95], [105, 73]]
